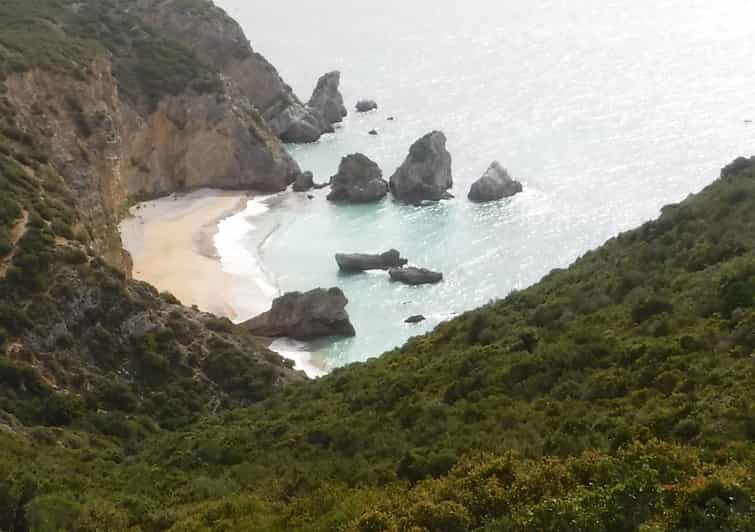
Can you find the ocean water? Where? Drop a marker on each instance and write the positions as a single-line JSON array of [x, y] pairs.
[[606, 110]]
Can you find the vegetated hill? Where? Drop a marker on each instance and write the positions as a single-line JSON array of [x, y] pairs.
[[618, 394]]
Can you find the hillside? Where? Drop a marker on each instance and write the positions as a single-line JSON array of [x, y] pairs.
[[617, 394]]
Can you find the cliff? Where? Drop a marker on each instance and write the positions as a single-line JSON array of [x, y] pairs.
[[218, 40]]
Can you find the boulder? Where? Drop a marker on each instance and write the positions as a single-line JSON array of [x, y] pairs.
[[300, 124], [415, 319], [304, 181], [496, 183], [359, 180], [306, 316], [327, 99], [364, 106], [415, 276], [425, 175], [360, 262]]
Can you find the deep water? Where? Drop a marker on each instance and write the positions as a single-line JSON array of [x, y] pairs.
[[605, 110]]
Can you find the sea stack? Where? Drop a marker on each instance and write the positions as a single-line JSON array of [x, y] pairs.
[[365, 106], [360, 262], [425, 175], [327, 99], [415, 276], [496, 183], [306, 316], [359, 180]]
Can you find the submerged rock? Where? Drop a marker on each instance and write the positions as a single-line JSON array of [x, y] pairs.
[[304, 182], [359, 180], [315, 314], [364, 106], [415, 276], [372, 132], [419, 318], [496, 183], [360, 262], [327, 99], [425, 175]]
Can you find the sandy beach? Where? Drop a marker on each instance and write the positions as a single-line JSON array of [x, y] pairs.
[[171, 242]]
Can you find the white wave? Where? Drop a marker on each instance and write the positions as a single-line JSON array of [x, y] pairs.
[[297, 351]]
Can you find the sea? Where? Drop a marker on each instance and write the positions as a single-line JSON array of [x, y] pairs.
[[605, 110]]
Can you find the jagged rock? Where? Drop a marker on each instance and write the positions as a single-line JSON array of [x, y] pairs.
[[359, 180], [415, 276], [364, 106], [372, 132], [315, 314], [304, 182], [425, 175], [360, 262], [496, 183], [218, 40], [327, 99], [415, 319]]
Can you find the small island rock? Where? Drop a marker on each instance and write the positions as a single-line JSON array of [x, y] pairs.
[[495, 184], [304, 182], [327, 98], [415, 276], [364, 106], [372, 132], [425, 175], [315, 314], [419, 318], [359, 180], [360, 262]]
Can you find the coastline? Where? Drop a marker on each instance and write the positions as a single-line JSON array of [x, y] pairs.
[[172, 243]]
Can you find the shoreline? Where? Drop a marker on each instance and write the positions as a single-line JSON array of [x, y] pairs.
[[172, 243]]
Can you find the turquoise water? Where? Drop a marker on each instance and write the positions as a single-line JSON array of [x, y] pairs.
[[605, 110]]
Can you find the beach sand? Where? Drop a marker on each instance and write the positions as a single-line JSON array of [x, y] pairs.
[[171, 242]]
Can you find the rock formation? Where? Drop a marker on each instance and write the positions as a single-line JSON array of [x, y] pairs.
[[494, 185], [327, 99], [364, 106], [359, 180], [304, 182], [425, 175], [360, 262], [219, 41], [419, 318], [415, 276], [315, 314]]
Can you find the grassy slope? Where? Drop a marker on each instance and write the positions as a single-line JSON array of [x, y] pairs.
[[615, 394]]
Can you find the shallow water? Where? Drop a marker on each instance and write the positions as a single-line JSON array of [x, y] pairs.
[[605, 110]]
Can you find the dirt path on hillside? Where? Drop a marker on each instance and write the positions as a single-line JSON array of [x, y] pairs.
[[18, 231]]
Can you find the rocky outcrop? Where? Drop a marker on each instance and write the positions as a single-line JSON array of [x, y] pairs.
[[495, 184], [415, 276], [360, 262], [201, 140], [305, 316], [359, 180], [737, 166], [304, 182], [425, 175], [327, 98], [219, 41], [419, 318], [365, 106]]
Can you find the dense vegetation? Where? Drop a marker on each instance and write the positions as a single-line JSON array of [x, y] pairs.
[[615, 395], [65, 35]]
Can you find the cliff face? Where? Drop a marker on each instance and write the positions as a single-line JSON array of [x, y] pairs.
[[81, 124], [218, 40]]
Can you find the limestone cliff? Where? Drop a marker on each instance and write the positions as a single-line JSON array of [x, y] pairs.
[[218, 40]]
